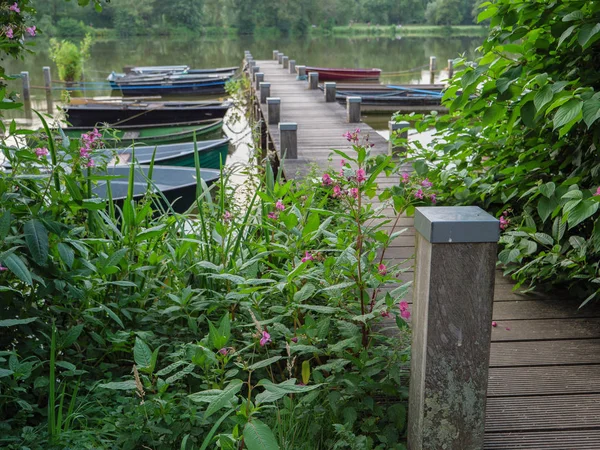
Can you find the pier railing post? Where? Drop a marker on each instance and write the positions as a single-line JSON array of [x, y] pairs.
[[26, 86], [288, 139], [265, 91], [48, 86], [400, 129], [353, 109], [285, 60], [301, 72], [452, 323], [254, 70], [313, 80], [432, 69], [330, 91], [292, 65], [450, 68], [280, 58], [273, 110], [275, 54], [259, 77]]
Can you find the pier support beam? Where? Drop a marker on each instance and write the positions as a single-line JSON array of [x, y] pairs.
[[259, 77], [399, 129], [292, 65], [285, 60], [301, 72], [288, 139], [452, 323], [273, 110], [265, 91], [275, 54], [450, 68], [330, 91], [280, 58], [48, 86], [313, 80], [353, 109]]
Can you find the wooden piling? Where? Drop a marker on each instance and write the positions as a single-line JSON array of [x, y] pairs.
[[253, 71], [259, 77], [313, 80], [280, 58], [432, 69], [48, 87], [292, 65], [301, 72], [265, 91], [399, 129], [275, 54], [288, 132], [273, 110], [450, 68], [285, 60], [26, 86], [451, 322], [330, 91], [353, 109]]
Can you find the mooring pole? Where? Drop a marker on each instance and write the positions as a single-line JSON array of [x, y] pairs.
[[399, 129], [288, 139], [48, 87]]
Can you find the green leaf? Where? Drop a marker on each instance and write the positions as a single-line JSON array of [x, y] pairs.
[[115, 258], [543, 238], [36, 237], [70, 336], [142, 353], [588, 34], [223, 399], [581, 212], [16, 266], [258, 436], [5, 373], [545, 207], [66, 254], [264, 363], [320, 308], [4, 225], [573, 16], [567, 112], [543, 97], [15, 322], [305, 293], [274, 392], [547, 189], [591, 110], [119, 385], [566, 34]]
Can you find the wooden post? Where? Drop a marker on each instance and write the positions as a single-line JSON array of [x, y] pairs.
[[280, 58], [292, 65], [353, 109], [48, 86], [255, 70], [275, 54], [251, 63], [432, 69], [288, 139], [401, 130], [313, 80], [301, 72], [452, 324], [273, 110], [26, 86], [259, 77], [330, 91], [450, 68], [265, 91], [285, 60], [264, 140]]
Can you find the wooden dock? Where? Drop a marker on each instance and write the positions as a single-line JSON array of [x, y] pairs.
[[544, 377]]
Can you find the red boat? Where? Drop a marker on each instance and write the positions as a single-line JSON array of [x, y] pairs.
[[331, 74]]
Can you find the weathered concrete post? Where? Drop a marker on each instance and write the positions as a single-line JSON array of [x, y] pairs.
[[313, 80], [273, 110], [275, 54], [292, 65], [330, 91], [251, 63], [401, 130], [265, 91], [288, 139], [48, 86], [254, 70], [301, 72], [432, 69], [353, 109], [280, 58], [452, 323], [259, 77], [285, 60], [450, 68], [26, 86]]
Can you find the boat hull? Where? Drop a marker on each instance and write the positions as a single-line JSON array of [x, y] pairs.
[[212, 88], [331, 74]]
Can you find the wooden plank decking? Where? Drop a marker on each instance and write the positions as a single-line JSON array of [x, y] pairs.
[[544, 379]]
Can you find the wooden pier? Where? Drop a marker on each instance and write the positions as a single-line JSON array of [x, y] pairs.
[[544, 373]]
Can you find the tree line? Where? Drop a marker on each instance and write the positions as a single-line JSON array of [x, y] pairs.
[[138, 17]]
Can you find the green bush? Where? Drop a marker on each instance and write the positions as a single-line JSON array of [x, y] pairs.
[[69, 58], [71, 27]]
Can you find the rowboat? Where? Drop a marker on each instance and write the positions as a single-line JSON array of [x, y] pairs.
[[176, 184], [143, 113], [173, 69], [376, 89], [334, 74], [211, 154], [165, 84], [156, 134]]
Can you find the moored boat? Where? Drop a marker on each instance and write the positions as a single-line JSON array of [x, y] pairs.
[[212, 154], [154, 134], [176, 184], [341, 74], [174, 84], [143, 113]]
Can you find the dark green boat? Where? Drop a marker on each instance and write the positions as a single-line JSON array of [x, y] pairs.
[[212, 154], [157, 134]]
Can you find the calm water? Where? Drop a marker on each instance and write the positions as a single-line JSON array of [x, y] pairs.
[[393, 56]]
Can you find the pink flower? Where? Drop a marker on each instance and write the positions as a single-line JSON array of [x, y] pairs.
[[403, 306], [354, 192], [405, 314], [426, 183], [9, 32], [41, 151], [419, 194], [405, 177], [84, 152], [279, 205], [273, 215], [90, 163], [507, 329], [361, 175], [2, 268], [31, 30], [327, 181], [385, 314], [307, 257], [382, 269], [357, 131], [348, 136], [433, 198], [227, 216], [15, 7], [337, 191], [494, 324], [504, 222], [223, 351], [294, 339], [597, 191], [343, 163], [266, 338]]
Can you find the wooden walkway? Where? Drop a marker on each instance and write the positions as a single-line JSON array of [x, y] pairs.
[[544, 378]]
